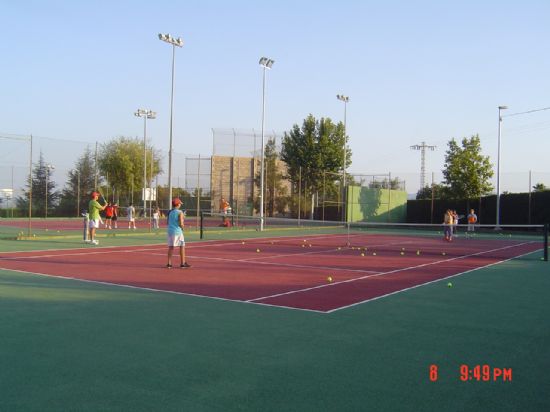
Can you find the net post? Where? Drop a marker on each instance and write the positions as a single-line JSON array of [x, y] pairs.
[[202, 224], [546, 242], [86, 225]]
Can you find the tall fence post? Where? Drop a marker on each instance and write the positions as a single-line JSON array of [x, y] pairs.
[[546, 242]]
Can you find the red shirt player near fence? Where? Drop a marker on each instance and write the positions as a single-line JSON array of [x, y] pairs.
[[225, 208], [108, 215]]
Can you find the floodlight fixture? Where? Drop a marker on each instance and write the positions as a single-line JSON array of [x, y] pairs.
[[266, 63], [343, 98]]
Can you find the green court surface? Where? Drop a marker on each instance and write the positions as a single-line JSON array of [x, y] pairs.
[[73, 345]]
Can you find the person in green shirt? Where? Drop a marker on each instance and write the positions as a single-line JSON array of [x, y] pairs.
[[94, 207]]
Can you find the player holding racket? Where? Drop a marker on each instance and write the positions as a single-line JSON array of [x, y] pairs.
[[175, 234], [94, 207]]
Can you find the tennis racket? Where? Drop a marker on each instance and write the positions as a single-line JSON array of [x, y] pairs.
[[103, 197]]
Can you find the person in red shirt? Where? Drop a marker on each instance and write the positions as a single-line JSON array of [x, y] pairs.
[[108, 215], [115, 214], [225, 209]]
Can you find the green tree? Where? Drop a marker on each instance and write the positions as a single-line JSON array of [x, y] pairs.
[[121, 163], [466, 170], [43, 188], [312, 152], [540, 187], [80, 183], [440, 192]]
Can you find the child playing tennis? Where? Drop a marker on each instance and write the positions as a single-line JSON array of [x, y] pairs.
[[175, 234]]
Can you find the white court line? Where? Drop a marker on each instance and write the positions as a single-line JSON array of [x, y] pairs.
[[88, 252], [89, 247], [384, 273], [284, 264]]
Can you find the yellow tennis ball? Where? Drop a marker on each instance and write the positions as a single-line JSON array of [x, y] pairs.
[[449, 285], [362, 254], [258, 250], [329, 279]]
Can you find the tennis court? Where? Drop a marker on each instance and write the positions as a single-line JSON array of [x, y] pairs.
[[320, 272], [109, 327]]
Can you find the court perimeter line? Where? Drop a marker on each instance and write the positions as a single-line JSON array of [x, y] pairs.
[[383, 273]]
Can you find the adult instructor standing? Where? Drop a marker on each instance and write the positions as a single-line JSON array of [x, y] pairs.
[[94, 207]]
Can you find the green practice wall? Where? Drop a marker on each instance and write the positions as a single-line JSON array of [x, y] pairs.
[[376, 205]]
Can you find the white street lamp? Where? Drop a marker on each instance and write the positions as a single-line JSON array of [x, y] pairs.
[[498, 166], [146, 114], [344, 99], [179, 43], [266, 64]]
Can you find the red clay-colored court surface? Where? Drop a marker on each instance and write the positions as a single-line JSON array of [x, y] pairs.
[[289, 272]]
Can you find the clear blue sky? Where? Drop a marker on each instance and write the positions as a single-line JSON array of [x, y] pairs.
[[414, 71]]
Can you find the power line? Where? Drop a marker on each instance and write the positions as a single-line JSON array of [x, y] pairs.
[[527, 112]]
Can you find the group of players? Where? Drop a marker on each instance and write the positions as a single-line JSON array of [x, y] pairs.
[[450, 222], [175, 224]]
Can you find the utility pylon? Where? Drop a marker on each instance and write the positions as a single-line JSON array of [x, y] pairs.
[[422, 147]]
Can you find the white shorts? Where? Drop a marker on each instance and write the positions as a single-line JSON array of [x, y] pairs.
[[176, 240], [93, 224]]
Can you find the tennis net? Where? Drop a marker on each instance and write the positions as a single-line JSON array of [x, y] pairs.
[[395, 236]]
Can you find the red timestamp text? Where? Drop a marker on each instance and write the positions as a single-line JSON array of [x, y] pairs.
[[483, 373]]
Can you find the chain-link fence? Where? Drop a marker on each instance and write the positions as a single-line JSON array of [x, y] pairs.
[[62, 185]]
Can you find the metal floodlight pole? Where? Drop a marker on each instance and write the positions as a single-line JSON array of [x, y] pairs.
[[266, 64], [179, 43], [498, 166], [146, 114], [345, 99]]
